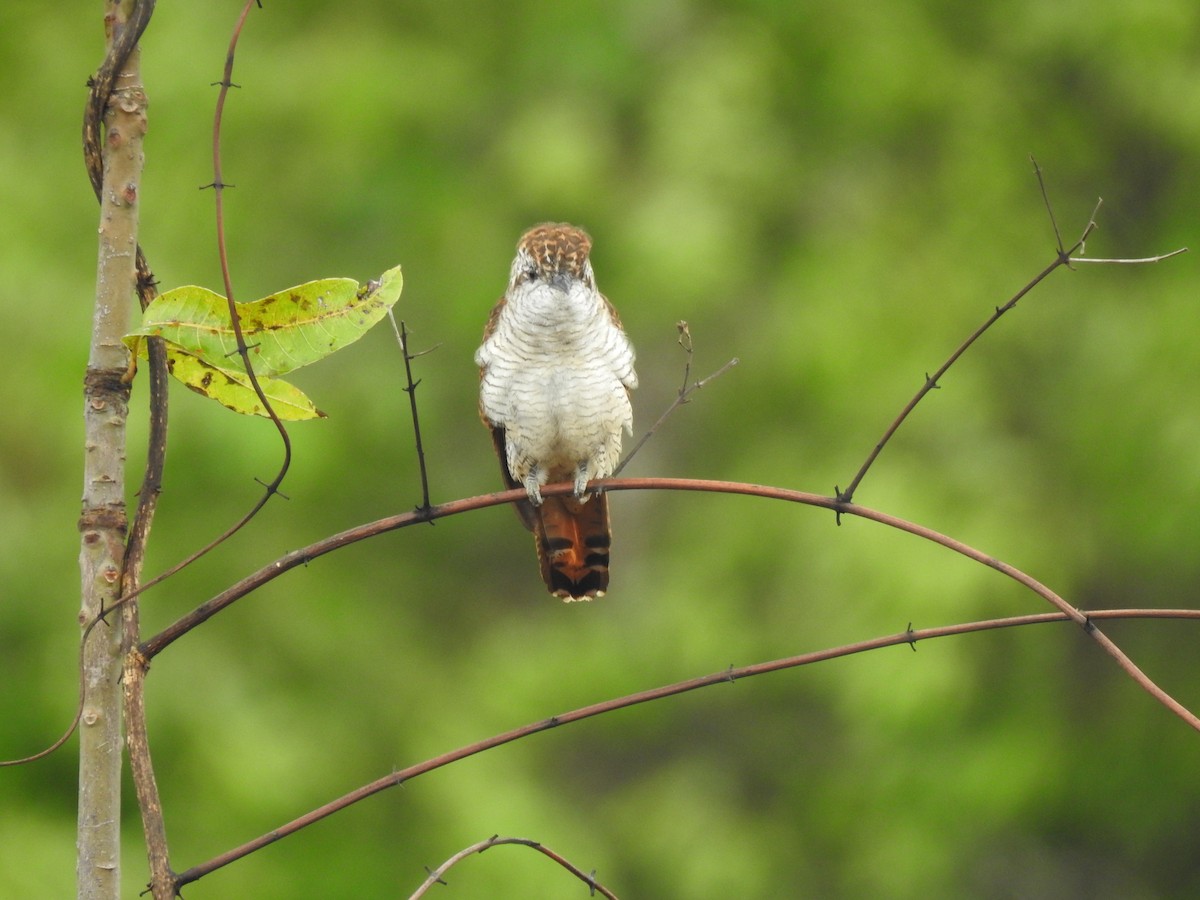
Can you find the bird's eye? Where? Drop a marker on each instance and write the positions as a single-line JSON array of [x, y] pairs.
[[530, 273]]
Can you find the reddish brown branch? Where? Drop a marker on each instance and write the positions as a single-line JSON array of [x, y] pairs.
[[134, 671], [154, 645], [909, 636], [160, 641], [219, 185]]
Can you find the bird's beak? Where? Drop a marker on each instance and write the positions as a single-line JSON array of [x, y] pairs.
[[561, 281]]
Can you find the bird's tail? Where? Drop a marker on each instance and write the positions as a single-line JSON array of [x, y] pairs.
[[572, 546]]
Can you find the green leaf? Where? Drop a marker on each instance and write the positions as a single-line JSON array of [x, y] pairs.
[[231, 387], [284, 331]]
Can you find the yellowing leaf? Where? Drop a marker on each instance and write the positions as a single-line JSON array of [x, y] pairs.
[[284, 331], [231, 388]]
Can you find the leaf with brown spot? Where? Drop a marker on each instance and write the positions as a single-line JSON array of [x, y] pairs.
[[231, 388], [287, 330]]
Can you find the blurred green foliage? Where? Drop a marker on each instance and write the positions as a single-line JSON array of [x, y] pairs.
[[835, 193]]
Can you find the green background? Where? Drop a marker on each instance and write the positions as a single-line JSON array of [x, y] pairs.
[[835, 193]]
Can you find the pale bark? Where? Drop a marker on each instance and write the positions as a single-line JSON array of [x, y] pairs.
[[103, 522]]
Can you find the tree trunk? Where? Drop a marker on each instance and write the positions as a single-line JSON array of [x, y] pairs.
[[103, 521]]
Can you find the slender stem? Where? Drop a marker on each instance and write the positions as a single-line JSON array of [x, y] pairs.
[[437, 875], [683, 396], [134, 671], [1139, 261], [1063, 258], [218, 185], [909, 636], [411, 389]]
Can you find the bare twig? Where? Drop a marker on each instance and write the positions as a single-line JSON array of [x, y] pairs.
[[134, 673], [74, 723], [1129, 262], [684, 394], [124, 37], [1037, 171], [685, 341], [1064, 257], [435, 876], [133, 678], [411, 390]]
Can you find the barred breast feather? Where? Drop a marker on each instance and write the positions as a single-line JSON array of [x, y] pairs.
[[556, 370]]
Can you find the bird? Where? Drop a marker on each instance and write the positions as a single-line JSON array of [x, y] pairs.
[[555, 375]]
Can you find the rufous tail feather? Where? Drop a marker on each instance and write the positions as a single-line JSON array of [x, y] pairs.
[[572, 546]]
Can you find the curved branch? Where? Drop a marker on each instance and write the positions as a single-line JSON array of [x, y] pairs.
[[435, 876], [218, 185], [156, 644]]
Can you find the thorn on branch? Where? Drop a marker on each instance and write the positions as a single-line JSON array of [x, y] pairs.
[[224, 84], [424, 352], [841, 497], [272, 488], [401, 332], [912, 638], [241, 351], [216, 186]]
